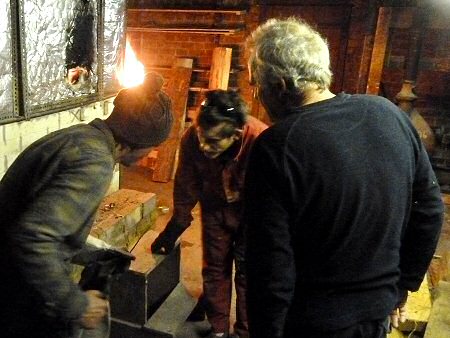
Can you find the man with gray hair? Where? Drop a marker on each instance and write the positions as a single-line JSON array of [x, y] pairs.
[[342, 206]]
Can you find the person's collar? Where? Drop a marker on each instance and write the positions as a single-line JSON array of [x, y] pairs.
[[103, 127], [231, 152], [316, 95]]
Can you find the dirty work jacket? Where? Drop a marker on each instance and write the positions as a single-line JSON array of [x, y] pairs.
[[48, 200]]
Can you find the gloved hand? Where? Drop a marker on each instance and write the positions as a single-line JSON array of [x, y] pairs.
[[165, 242]]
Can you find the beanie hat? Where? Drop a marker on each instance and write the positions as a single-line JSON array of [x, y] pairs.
[[142, 116]]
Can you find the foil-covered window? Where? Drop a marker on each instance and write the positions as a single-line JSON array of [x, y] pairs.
[[50, 46], [69, 52], [7, 107], [58, 54], [114, 43]]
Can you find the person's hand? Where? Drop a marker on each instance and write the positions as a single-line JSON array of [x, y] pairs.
[[399, 314], [163, 244], [96, 310], [166, 240]]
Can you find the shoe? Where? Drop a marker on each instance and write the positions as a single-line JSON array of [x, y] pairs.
[[218, 335], [235, 335]]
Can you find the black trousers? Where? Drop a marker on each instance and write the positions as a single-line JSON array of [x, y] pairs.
[[366, 329]]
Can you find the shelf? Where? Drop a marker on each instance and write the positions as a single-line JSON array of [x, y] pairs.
[[222, 31], [197, 70], [200, 11], [194, 70], [204, 89], [197, 89]]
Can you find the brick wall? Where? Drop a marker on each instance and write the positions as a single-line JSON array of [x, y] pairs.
[[158, 50], [15, 137]]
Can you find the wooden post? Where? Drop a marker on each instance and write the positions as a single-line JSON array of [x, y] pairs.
[[220, 68], [177, 89], [378, 51]]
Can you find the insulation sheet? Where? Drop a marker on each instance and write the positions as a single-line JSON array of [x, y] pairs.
[[6, 63], [114, 42], [56, 35], [46, 25]]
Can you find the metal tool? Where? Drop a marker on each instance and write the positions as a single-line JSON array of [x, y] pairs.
[[102, 263]]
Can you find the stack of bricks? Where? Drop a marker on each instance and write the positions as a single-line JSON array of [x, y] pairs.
[[124, 217]]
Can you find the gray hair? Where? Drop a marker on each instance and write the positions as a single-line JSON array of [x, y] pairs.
[[289, 55]]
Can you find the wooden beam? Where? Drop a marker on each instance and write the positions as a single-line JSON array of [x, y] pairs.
[[193, 11], [172, 314], [199, 30], [220, 68], [419, 307], [438, 324], [258, 110], [364, 64], [194, 70], [379, 51], [177, 88]]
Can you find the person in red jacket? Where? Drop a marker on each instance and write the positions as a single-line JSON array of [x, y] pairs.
[[213, 160]]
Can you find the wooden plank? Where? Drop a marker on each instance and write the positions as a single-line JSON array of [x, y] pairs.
[[379, 50], [220, 68], [194, 11], [418, 307], [445, 198], [173, 312], [440, 265], [364, 64], [395, 333], [439, 322], [177, 89], [200, 30], [258, 110]]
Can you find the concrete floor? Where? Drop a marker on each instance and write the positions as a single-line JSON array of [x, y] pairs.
[[139, 178]]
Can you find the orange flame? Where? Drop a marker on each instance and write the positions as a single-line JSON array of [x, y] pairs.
[[132, 72]]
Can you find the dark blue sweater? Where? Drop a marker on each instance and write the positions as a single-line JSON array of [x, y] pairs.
[[343, 209]]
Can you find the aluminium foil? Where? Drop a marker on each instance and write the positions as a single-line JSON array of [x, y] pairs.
[[45, 25], [114, 42], [6, 63]]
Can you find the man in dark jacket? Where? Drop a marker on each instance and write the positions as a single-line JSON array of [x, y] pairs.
[[48, 200], [342, 205], [211, 169]]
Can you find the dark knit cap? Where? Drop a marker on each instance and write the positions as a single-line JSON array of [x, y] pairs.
[[142, 116]]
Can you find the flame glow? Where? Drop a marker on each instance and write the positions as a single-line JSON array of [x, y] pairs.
[[132, 72]]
